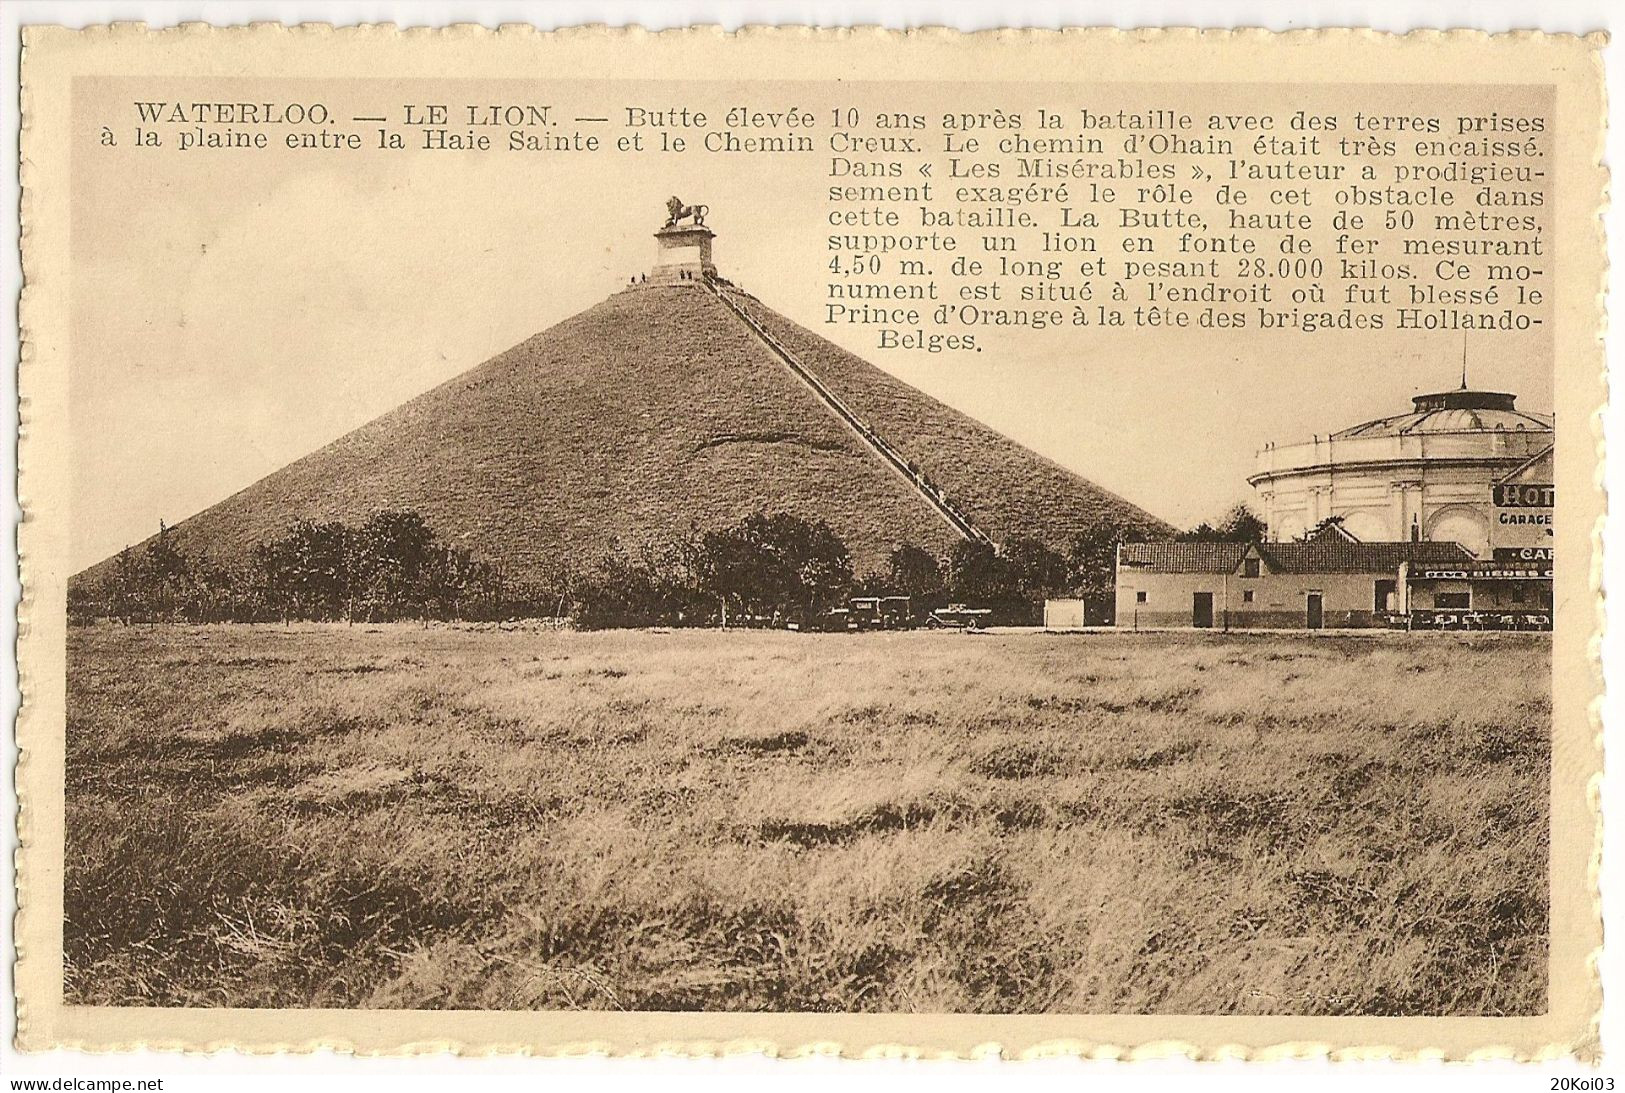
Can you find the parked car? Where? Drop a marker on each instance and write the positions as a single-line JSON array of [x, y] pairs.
[[837, 620], [880, 612], [958, 616]]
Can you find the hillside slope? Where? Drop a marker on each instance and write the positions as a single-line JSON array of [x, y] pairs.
[[651, 412], [1006, 489]]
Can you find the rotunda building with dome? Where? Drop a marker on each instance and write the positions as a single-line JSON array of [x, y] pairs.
[[1425, 475]]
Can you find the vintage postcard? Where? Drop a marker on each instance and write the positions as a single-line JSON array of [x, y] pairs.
[[810, 540]]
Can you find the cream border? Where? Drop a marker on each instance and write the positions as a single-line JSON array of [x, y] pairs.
[[53, 56]]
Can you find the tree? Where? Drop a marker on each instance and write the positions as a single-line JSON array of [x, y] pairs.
[[323, 567], [217, 593], [1240, 525], [150, 585], [914, 572], [1320, 527], [166, 573], [1035, 570], [674, 566], [976, 574], [395, 561], [452, 576], [309, 572], [124, 589], [1092, 558], [617, 591], [775, 564]]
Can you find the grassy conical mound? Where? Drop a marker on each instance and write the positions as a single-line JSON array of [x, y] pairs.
[[655, 411]]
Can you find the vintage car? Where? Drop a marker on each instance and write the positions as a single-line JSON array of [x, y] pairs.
[[958, 616], [862, 613], [880, 613]]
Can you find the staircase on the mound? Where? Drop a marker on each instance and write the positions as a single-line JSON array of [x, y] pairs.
[[866, 432]]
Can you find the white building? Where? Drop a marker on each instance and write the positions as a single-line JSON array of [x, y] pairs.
[[1425, 475]]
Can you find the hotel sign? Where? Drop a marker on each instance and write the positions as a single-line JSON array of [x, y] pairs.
[[1523, 516], [1524, 495]]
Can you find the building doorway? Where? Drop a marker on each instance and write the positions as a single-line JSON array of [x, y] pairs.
[[1382, 598], [1202, 610], [1316, 610]]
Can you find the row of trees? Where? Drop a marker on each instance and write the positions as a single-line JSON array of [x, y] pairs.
[[766, 569], [391, 567], [772, 569], [775, 568]]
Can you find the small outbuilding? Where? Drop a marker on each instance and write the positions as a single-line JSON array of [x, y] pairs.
[[1330, 580], [1078, 612], [1067, 613]]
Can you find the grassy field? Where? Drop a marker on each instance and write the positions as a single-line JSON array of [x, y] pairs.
[[1155, 823]]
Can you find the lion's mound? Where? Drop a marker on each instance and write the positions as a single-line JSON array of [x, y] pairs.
[[660, 410]]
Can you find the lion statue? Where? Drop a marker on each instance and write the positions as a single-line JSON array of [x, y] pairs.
[[676, 212]]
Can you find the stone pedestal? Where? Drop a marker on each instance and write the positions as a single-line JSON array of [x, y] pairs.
[[684, 256]]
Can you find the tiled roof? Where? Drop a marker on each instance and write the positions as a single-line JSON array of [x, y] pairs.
[[1182, 557], [1328, 555], [1324, 555]]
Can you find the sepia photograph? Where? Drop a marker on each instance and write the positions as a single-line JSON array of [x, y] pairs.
[[705, 539], [677, 658]]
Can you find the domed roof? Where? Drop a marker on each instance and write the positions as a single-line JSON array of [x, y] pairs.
[[1454, 412]]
